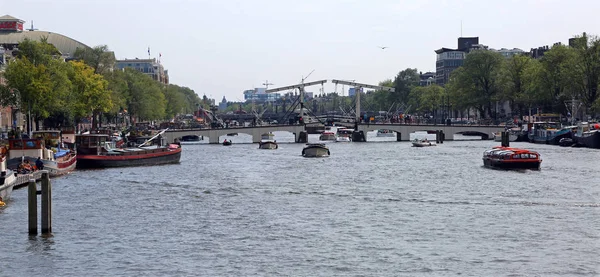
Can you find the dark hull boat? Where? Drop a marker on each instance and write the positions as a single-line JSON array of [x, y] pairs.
[[589, 139], [96, 151], [144, 157]]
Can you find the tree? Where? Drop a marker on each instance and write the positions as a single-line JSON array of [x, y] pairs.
[[585, 69], [90, 91], [478, 82], [431, 97], [515, 82], [146, 100], [100, 58], [403, 83], [38, 77]]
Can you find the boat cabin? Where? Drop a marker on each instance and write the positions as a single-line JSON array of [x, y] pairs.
[[51, 138], [29, 148], [91, 144], [345, 132]]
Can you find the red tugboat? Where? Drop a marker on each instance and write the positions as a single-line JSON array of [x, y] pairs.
[[98, 151], [511, 158]]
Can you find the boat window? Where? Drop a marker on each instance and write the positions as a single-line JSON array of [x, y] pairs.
[[525, 156], [85, 141], [30, 144], [533, 156]]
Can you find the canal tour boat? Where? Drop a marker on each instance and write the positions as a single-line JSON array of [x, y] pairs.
[[327, 135], [190, 139], [511, 158], [268, 144], [423, 143], [96, 151], [313, 150], [45, 145]]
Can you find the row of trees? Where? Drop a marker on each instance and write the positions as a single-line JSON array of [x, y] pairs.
[[564, 73], [42, 84]]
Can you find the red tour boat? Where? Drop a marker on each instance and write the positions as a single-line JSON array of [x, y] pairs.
[[511, 158]]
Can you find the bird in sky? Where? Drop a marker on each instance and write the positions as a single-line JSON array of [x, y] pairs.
[[382, 47]]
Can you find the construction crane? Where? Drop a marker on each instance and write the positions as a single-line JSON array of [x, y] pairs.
[[300, 87], [357, 88]]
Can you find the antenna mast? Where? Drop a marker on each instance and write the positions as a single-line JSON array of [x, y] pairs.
[[31, 29]]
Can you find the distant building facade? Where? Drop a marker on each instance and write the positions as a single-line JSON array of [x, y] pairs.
[[223, 104], [149, 67], [448, 59], [352, 91], [507, 53], [260, 95], [426, 79]]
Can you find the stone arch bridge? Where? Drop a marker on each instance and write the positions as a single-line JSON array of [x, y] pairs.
[[403, 131], [214, 134]]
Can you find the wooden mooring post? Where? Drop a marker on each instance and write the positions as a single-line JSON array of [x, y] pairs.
[[505, 142], [46, 194]]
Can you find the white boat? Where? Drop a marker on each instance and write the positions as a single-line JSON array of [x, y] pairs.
[[385, 133], [7, 178], [47, 147], [190, 139], [343, 139], [315, 150], [327, 136], [267, 136], [268, 144], [423, 143], [344, 135]]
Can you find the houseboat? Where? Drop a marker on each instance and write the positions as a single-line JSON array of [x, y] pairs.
[[45, 145], [314, 150], [511, 158], [588, 135], [95, 151]]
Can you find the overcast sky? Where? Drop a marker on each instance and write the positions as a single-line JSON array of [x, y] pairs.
[[222, 47]]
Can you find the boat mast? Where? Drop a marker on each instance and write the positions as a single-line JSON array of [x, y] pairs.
[[155, 136]]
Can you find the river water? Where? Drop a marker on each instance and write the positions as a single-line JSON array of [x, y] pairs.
[[371, 209]]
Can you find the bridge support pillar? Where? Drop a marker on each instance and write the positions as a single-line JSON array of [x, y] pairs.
[[359, 136], [213, 139], [439, 136], [302, 137], [398, 136], [256, 137]]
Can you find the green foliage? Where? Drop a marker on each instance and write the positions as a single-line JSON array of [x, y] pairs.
[[431, 98], [403, 83], [478, 82], [146, 100], [90, 89], [100, 58]]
